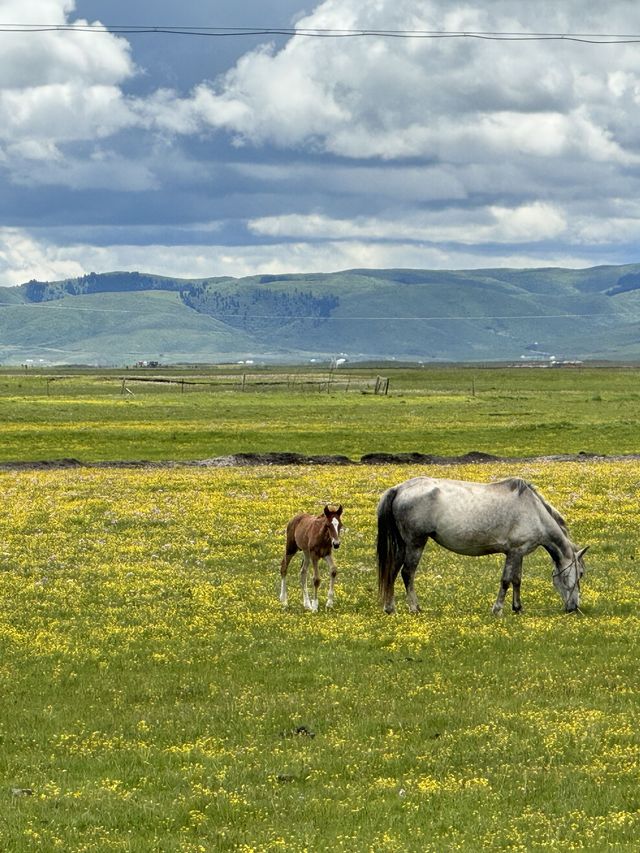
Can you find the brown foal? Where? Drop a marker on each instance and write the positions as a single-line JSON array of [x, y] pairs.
[[316, 536]]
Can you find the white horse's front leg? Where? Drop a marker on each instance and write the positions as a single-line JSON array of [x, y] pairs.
[[306, 601], [511, 562], [333, 571]]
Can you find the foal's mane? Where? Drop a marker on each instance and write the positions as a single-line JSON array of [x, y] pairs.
[[522, 486]]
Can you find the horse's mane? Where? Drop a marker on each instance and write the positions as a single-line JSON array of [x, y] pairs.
[[522, 486]]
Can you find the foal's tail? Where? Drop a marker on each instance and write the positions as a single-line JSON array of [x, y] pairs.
[[390, 545]]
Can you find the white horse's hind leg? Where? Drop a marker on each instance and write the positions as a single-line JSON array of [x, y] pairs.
[[411, 560], [332, 578], [306, 601]]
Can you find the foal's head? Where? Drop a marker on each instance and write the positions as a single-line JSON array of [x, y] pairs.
[[334, 525]]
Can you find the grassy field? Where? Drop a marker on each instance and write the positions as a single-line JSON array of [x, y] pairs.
[[157, 698], [447, 411]]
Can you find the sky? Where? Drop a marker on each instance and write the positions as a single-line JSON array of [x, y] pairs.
[[196, 156]]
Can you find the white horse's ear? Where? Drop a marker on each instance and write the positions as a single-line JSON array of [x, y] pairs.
[[582, 552]]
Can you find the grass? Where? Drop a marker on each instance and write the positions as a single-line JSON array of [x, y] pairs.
[[446, 411], [157, 698]]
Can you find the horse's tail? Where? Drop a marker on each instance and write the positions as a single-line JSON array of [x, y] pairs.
[[390, 544]]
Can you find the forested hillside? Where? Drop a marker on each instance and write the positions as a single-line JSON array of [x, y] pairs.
[[422, 315]]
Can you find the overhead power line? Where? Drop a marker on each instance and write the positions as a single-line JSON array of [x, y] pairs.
[[344, 318], [319, 32]]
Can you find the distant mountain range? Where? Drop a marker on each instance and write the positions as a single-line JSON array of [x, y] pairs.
[[121, 318]]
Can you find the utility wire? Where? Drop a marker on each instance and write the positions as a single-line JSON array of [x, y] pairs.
[[318, 32], [226, 315]]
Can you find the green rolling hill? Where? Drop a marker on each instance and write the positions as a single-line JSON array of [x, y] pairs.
[[423, 315]]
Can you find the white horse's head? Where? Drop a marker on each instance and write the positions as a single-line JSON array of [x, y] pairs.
[[566, 579]]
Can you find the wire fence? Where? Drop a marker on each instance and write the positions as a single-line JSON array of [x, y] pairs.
[[137, 384], [248, 382]]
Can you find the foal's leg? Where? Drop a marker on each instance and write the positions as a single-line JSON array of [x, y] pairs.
[[411, 560], [511, 573], [316, 583], [332, 578], [290, 550], [306, 602]]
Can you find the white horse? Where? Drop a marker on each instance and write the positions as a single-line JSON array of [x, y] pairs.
[[509, 517]]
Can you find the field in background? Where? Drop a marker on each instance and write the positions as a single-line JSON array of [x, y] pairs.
[[189, 414], [156, 697]]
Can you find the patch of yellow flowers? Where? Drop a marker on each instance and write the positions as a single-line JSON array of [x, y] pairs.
[[127, 579]]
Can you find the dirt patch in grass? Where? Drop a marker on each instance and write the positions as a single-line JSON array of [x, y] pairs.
[[289, 458]]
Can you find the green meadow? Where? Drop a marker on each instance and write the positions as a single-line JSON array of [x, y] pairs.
[[156, 696], [106, 415]]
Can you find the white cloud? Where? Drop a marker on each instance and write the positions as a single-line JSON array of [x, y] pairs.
[[528, 223], [452, 100], [457, 142], [58, 87], [457, 101], [23, 258], [47, 58], [48, 115]]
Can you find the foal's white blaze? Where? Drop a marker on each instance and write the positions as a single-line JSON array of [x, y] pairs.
[[336, 526]]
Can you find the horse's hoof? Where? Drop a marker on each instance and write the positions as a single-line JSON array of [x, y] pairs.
[[497, 610]]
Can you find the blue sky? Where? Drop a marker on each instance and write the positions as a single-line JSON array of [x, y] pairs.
[[195, 156]]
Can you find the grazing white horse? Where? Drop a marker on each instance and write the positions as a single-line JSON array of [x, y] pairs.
[[509, 517]]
